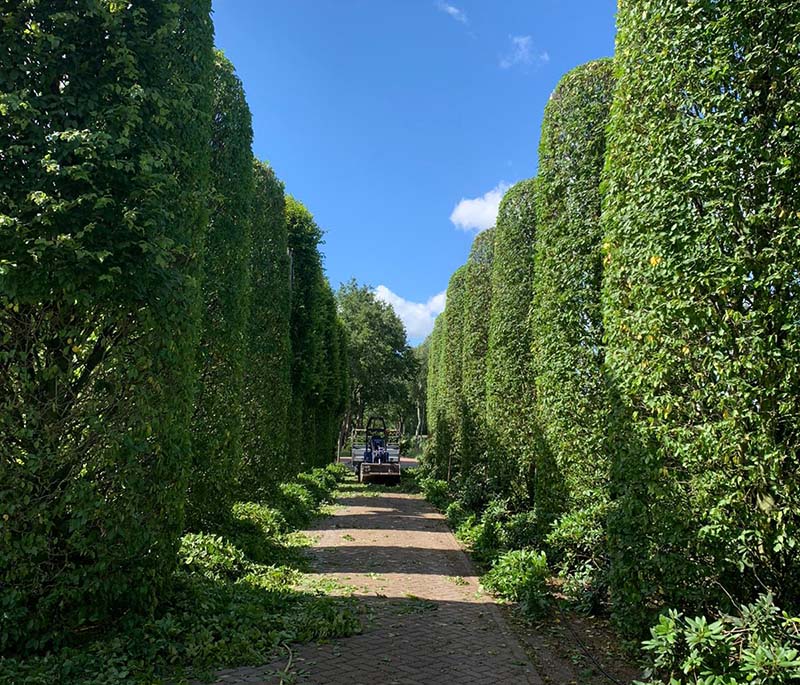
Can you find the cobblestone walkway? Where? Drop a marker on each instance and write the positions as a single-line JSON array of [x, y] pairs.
[[427, 623]]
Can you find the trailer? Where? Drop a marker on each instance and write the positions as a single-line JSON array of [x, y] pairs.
[[375, 452]]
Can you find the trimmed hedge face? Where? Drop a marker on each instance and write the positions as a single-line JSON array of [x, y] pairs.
[[436, 447], [702, 216], [319, 357], [477, 302], [452, 390], [268, 354], [103, 177], [566, 318], [217, 430], [509, 375]]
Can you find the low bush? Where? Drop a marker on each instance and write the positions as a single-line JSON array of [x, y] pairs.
[[436, 492], [761, 646], [520, 576], [212, 556], [229, 603]]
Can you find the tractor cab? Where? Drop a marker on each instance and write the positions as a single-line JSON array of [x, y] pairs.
[[376, 452]]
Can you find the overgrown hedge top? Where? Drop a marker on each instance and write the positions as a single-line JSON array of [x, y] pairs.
[[701, 297]]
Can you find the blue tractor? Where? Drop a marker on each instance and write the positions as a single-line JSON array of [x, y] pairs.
[[376, 452]]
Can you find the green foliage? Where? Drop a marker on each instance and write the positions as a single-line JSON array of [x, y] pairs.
[[217, 422], [520, 576], [509, 378], [319, 374], [450, 422], [477, 302], [381, 362], [103, 178], [436, 492], [760, 646], [268, 353], [221, 608], [701, 304], [437, 446], [571, 405]]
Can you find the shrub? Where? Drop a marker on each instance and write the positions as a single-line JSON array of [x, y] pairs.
[[103, 180], [212, 556], [571, 405], [216, 442], [520, 576], [701, 307], [509, 379], [760, 646], [296, 503], [436, 492]]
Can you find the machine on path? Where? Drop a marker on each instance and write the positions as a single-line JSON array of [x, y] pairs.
[[376, 452]]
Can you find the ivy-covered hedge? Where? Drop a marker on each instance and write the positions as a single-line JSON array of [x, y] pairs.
[[268, 355], [509, 379], [571, 405], [477, 302], [701, 306], [217, 424], [103, 178]]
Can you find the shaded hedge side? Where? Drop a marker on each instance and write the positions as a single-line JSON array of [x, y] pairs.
[[702, 216], [268, 355], [217, 423], [571, 404], [509, 378], [103, 178]]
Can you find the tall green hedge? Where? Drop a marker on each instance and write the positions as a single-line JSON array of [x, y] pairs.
[[452, 396], [437, 444], [566, 320], [319, 362], [702, 311], [477, 302], [509, 376], [268, 353], [103, 177], [217, 424]]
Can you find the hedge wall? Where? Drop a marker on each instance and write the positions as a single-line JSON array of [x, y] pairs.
[[103, 176], [477, 302], [319, 362], [509, 379], [702, 216], [217, 424], [268, 353], [571, 405], [437, 445], [452, 396]]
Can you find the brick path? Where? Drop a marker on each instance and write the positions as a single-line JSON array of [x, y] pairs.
[[428, 623]]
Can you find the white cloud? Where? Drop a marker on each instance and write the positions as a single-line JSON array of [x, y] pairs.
[[417, 317], [479, 213], [522, 51], [453, 11]]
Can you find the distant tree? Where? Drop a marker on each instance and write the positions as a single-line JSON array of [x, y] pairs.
[[381, 362]]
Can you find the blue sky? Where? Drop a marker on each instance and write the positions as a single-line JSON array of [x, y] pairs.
[[382, 116]]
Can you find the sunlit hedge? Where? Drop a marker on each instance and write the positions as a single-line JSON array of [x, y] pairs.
[[509, 378], [103, 180], [217, 425], [477, 302], [702, 214], [566, 321]]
